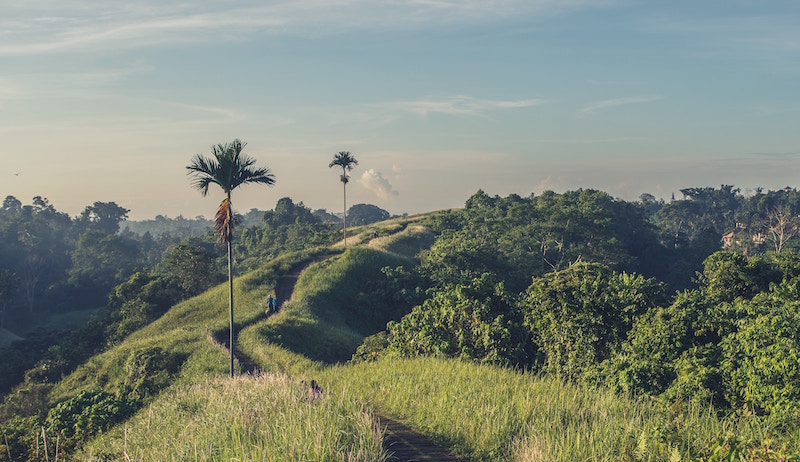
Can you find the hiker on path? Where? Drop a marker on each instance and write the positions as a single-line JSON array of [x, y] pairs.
[[272, 305]]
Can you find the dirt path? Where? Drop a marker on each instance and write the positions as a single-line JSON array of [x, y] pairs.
[[401, 442], [406, 445]]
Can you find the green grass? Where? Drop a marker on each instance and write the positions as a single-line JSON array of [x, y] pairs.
[[489, 413], [406, 244], [324, 320], [266, 418]]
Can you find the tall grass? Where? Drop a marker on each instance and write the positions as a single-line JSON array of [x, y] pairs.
[[488, 413], [265, 418]]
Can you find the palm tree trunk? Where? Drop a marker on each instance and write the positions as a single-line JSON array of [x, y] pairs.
[[229, 238], [344, 186], [230, 298]]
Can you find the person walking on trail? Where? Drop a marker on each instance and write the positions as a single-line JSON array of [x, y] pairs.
[[272, 305]]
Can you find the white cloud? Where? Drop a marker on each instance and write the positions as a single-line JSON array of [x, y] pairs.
[[375, 182], [618, 102], [459, 105]]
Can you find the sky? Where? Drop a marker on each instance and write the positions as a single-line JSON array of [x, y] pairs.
[[109, 100]]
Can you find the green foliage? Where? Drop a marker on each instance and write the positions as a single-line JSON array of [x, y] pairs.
[[21, 438], [147, 372], [728, 275], [734, 342], [192, 263], [761, 359], [103, 216], [289, 228], [365, 214], [372, 348], [85, 415], [101, 261], [476, 321], [515, 238], [580, 315], [287, 213]]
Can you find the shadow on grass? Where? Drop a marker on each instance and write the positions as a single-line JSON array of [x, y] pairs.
[[312, 339]]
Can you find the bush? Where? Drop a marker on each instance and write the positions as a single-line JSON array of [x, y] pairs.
[[85, 415], [477, 321], [372, 348], [579, 315], [761, 360], [147, 372]]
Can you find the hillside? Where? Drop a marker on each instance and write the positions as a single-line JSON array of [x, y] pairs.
[[159, 394]]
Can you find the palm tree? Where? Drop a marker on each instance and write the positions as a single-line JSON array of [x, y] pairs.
[[345, 160], [228, 169]]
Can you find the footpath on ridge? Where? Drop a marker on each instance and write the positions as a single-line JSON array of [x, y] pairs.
[[401, 442]]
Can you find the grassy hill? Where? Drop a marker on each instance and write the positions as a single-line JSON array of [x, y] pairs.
[[174, 372]]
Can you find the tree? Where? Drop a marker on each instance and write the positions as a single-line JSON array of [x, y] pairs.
[[345, 160], [100, 261], [191, 263], [782, 225], [580, 315], [8, 286], [104, 216], [229, 168], [365, 214]]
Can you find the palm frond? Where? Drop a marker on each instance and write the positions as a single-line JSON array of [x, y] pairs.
[[345, 160], [204, 171], [223, 222]]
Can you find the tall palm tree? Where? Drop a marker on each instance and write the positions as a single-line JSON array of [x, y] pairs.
[[345, 160], [228, 169]]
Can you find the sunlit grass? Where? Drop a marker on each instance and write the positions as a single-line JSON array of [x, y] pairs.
[[488, 413], [266, 418]]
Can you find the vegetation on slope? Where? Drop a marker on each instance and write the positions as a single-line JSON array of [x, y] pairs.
[[485, 411], [265, 418]]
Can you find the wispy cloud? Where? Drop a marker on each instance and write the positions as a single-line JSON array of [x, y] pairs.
[[78, 26], [458, 105], [617, 102]]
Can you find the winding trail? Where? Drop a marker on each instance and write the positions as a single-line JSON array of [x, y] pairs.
[[401, 442]]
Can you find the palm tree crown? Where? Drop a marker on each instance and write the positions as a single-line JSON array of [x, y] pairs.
[[229, 168], [345, 160]]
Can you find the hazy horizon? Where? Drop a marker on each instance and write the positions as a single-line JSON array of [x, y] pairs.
[[108, 101]]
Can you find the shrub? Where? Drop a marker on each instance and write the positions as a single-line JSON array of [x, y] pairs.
[[579, 315], [86, 414], [478, 321]]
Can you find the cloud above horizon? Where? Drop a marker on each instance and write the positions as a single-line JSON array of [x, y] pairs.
[[617, 102], [374, 181], [459, 105]]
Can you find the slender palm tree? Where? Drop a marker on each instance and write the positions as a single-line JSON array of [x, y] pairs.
[[228, 169], [345, 160]]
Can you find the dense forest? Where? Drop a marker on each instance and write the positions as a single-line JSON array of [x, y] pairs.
[[692, 299]]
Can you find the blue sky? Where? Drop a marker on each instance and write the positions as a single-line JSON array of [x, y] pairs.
[[109, 100]]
